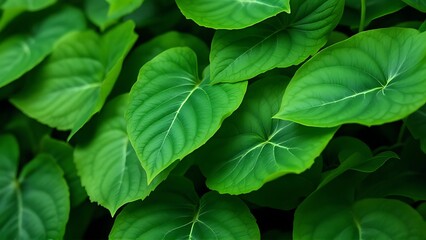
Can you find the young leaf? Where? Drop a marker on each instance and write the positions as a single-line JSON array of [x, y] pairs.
[[416, 123], [37, 36], [254, 148], [417, 4], [119, 8], [174, 211], [97, 12], [108, 166], [360, 81], [74, 82], [172, 112], [36, 204], [281, 41], [62, 152], [231, 14], [333, 213]]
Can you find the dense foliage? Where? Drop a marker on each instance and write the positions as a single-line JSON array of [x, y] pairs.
[[225, 119]]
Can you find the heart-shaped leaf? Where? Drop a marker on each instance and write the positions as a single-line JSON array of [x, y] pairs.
[[281, 41], [372, 78], [254, 148], [107, 164], [174, 211], [172, 112], [35, 204], [22, 51], [74, 82], [231, 14]]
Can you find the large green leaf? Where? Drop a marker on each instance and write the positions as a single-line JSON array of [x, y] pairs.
[[35, 204], [174, 211], [74, 82], [416, 123], [333, 213], [254, 148], [107, 164], [172, 111], [372, 78], [231, 14], [417, 4], [281, 41], [38, 33], [62, 152]]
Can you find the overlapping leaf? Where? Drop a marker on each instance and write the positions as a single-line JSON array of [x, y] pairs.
[[231, 14], [74, 82], [119, 8], [281, 41], [172, 112], [254, 148], [107, 164], [174, 211], [333, 213], [22, 50], [372, 78], [35, 204], [417, 4]]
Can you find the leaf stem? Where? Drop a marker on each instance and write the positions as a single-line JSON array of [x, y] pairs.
[[362, 19]]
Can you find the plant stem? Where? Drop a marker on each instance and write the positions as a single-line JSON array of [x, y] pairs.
[[362, 19]]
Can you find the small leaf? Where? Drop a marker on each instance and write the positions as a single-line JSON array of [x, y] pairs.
[[74, 82], [62, 152], [107, 164], [254, 148], [172, 112], [22, 51], [333, 213], [231, 14], [360, 81], [97, 12], [416, 123], [119, 8], [417, 4], [174, 211], [282, 41], [34, 205]]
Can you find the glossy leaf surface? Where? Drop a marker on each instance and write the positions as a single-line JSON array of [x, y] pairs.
[[255, 148], [174, 211], [172, 111], [34, 204], [360, 81], [417, 4], [107, 164], [281, 41], [23, 50], [74, 82], [231, 14]]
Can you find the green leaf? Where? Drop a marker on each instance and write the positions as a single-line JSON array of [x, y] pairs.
[[231, 14], [147, 51], [416, 123], [282, 41], [417, 4], [360, 81], [374, 10], [22, 51], [107, 164], [119, 8], [62, 152], [27, 5], [74, 82], [34, 205], [333, 213], [97, 12], [172, 112], [174, 211], [254, 148]]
